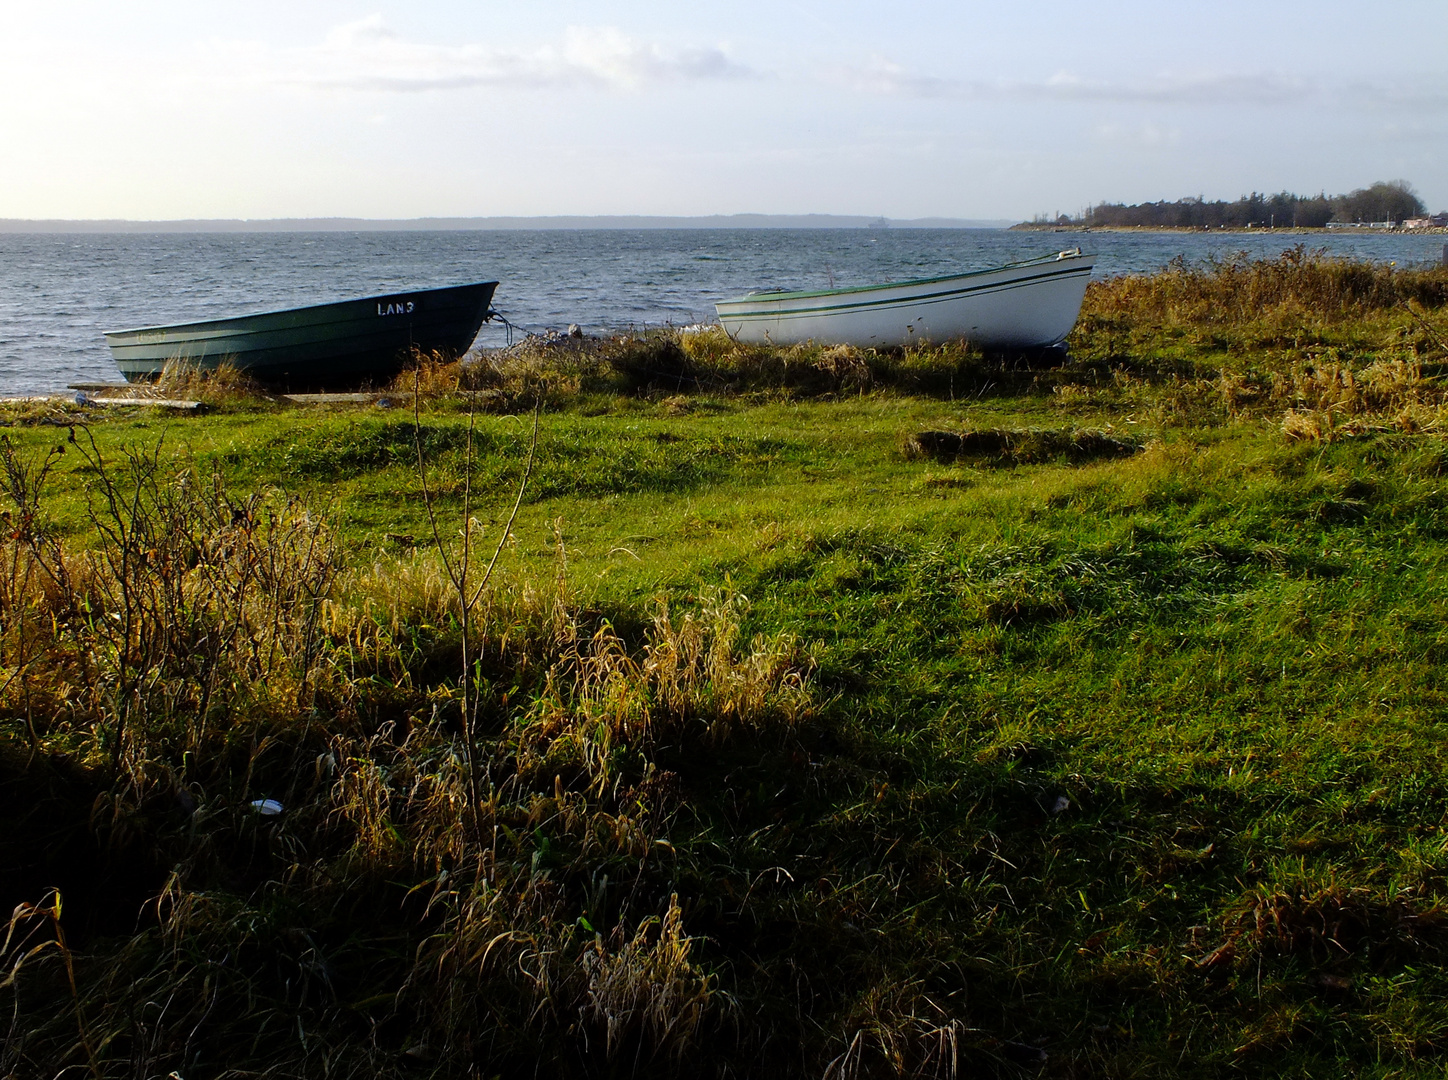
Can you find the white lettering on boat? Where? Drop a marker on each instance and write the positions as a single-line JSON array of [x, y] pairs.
[[398, 308]]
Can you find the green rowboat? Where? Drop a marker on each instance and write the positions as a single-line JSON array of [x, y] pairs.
[[325, 346]]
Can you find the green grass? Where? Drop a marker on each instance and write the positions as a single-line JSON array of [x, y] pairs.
[[802, 751]]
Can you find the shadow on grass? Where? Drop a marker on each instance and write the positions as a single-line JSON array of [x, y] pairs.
[[1022, 446]]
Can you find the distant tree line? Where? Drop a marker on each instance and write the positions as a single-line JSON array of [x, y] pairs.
[[1387, 200]]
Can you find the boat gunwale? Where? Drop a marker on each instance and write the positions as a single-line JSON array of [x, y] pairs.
[[804, 294], [916, 300], [210, 332], [233, 319]]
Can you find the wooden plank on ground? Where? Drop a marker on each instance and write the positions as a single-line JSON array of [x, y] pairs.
[[155, 403], [368, 397]]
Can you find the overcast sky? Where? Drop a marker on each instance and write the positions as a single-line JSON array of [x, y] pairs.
[[165, 109]]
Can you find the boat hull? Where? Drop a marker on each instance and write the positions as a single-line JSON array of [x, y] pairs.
[[325, 346], [1019, 306]]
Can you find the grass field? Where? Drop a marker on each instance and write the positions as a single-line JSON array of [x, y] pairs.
[[825, 713]]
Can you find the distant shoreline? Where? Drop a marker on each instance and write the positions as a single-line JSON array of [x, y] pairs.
[[1028, 226], [484, 224]]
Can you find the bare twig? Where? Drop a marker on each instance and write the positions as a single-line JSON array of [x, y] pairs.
[[458, 569], [1428, 327]]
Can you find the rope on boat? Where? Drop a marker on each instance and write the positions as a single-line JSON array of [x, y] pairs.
[[494, 313]]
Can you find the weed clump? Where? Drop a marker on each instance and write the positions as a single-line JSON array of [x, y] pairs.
[[697, 686], [1001, 447], [222, 386], [1336, 931]]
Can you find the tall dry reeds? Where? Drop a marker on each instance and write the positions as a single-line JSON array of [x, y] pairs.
[[533, 370], [36, 591], [672, 364], [273, 756], [219, 386], [697, 684], [1320, 345], [192, 602], [1240, 289]]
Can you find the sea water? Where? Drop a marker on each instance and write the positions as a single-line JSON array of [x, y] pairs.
[[59, 292]]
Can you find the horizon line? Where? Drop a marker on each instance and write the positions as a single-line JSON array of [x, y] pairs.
[[495, 222]]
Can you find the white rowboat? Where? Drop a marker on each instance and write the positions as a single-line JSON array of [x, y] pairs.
[[1022, 305]]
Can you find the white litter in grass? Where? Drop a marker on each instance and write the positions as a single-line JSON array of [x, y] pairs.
[[267, 807]]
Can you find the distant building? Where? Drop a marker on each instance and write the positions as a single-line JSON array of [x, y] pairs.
[[1362, 224]]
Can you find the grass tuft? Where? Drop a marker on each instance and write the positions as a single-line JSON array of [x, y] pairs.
[[1031, 446]]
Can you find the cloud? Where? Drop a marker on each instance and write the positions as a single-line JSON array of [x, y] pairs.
[[369, 55], [1262, 89], [882, 76], [1209, 89], [1140, 136]]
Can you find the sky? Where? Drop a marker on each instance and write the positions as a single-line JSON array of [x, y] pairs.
[[162, 109]]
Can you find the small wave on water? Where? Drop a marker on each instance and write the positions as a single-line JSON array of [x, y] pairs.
[[59, 292]]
